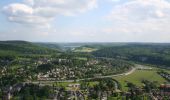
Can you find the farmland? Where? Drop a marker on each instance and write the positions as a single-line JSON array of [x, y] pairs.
[[138, 76], [85, 49]]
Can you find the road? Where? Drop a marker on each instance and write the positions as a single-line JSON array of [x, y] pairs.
[[109, 76]]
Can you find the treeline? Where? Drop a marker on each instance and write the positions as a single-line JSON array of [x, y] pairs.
[[158, 54], [23, 47], [7, 55]]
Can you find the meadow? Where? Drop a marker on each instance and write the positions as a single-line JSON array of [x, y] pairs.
[[84, 49], [138, 76]]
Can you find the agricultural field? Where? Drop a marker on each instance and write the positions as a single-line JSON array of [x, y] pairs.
[[138, 76], [81, 58], [84, 49]]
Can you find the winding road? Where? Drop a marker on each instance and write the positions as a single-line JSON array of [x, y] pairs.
[[109, 76]]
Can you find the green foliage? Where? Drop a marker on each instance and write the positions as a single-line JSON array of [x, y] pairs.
[[10, 79], [149, 85], [6, 57], [158, 54], [138, 76], [45, 67], [84, 49], [34, 91], [24, 47]]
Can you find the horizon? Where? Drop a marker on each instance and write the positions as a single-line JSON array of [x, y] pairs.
[[97, 42], [141, 21]]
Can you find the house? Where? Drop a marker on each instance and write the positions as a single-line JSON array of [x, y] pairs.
[[165, 89], [74, 85]]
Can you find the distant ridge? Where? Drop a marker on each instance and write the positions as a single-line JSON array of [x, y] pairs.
[[24, 47]]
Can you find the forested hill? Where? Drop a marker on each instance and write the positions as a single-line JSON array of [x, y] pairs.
[[23, 47], [158, 54]]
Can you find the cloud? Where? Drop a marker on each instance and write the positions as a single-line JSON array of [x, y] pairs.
[[29, 2], [115, 0], [43, 11], [17, 9], [142, 20], [128, 20], [24, 14], [140, 10]]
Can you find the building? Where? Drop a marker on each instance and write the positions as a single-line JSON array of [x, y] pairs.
[[165, 89]]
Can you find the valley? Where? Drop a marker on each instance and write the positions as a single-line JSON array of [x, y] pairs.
[[94, 71]]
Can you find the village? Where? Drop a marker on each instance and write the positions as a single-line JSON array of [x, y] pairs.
[[80, 77], [75, 89]]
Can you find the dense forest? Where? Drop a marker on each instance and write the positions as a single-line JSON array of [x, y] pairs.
[[157, 54], [24, 47]]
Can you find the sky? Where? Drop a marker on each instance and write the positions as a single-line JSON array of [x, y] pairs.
[[85, 20]]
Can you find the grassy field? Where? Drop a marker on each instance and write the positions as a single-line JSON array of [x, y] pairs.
[[81, 58], [85, 49], [138, 76]]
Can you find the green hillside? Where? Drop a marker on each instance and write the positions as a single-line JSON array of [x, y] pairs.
[[157, 54], [23, 47]]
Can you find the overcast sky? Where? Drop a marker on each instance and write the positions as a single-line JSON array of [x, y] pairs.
[[85, 20]]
